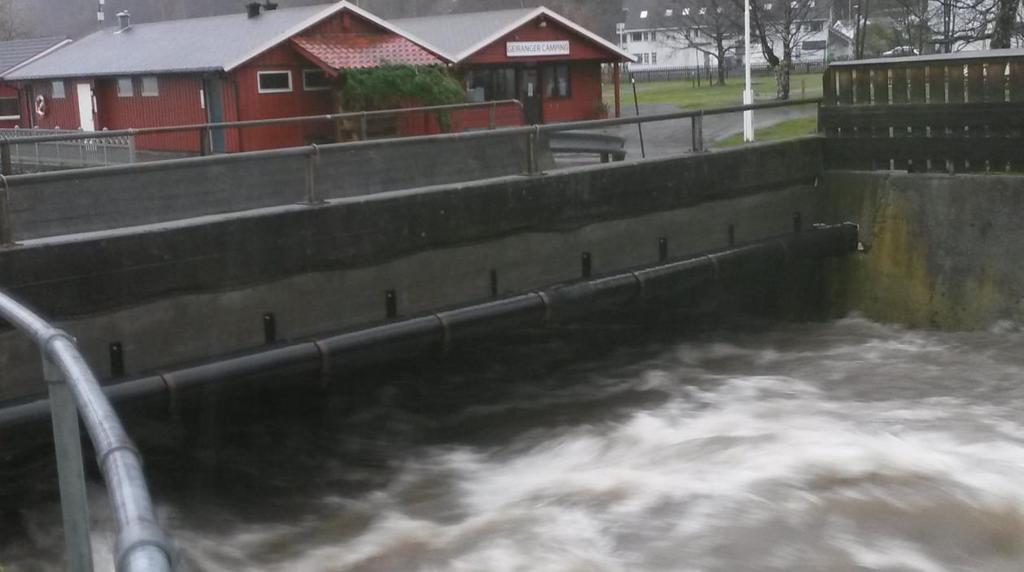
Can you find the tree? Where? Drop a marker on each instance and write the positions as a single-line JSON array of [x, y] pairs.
[[780, 25], [11, 26], [710, 27], [860, 28], [1005, 23]]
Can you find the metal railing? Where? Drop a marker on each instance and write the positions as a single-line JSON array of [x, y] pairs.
[[68, 150], [314, 174], [141, 544], [206, 130]]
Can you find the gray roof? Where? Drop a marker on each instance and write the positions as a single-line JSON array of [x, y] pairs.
[[455, 33], [15, 52], [658, 18], [196, 44]]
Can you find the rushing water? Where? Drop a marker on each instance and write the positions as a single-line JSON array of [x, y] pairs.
[[838, 446]]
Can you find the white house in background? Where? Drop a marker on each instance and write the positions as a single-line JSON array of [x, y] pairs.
[[660, 35]]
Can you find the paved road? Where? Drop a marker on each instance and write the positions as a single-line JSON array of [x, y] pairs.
[[664, 138]]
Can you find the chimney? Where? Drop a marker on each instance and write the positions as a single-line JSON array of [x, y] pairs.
[[268, 6], [252, 9], [124, 21]]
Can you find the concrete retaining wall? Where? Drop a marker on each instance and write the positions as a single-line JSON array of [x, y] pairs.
[[67, 202], [192, 289], [944, 251]]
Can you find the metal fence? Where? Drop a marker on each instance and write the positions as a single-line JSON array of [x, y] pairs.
[[706, 75], [141, 544], [91, 151], [72, 149]]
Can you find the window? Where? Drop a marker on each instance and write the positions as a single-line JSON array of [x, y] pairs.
[[647, 58], [556, 81], [639, 58], [686, 11], [814, 45], [636, 37], [57, 90], [315, 80], [491, 84], [654, 36], [668, 12], [274, 81], [9, 108], [150, 86], [654, 58], [643, 13], [125, 87]]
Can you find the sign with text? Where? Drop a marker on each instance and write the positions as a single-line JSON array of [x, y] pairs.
[[527, 49]]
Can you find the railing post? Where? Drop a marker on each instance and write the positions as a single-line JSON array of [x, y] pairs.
[[6, 228], [697, 132], [312, 164], [204, 141], [532, 142], [492, 120], [5, 157], [131, 148], [71, 475]]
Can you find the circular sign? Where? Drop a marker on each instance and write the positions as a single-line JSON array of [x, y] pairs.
[[41, 106]]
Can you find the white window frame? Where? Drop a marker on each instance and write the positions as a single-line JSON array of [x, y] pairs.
[[131, 89], [291, 84], [156, 84], [53, 89], [305, 84]]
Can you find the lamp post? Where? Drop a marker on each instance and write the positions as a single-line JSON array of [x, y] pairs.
[[748, 93]]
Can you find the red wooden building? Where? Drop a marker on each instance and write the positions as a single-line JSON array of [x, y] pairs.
[[535, 55], [269, 63], [15, 54]]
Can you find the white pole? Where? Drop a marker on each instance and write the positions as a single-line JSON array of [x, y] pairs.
[[748, 93]]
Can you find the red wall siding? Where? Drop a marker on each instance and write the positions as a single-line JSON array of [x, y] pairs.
[[255, 105], [584, 95], [60, 113], [580, 48], [178, 103]]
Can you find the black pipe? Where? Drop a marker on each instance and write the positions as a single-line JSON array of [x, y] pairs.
[[436, 332]]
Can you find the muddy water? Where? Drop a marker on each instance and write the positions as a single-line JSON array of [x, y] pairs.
[[839, 446]]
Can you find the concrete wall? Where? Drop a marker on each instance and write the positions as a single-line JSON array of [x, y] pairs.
[[50, 204], [944, 251], [192, 289]]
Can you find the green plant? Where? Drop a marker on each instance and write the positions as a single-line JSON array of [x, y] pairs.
[[391, 86]]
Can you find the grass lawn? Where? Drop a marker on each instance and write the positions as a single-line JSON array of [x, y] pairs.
[[686, 96], [783, 130]]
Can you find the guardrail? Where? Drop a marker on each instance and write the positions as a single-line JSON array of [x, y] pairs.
[[141, 544], [206, 130], [943, 112], [199, 186]]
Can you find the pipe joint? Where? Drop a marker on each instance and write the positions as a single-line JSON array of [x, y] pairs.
[[142, 535]]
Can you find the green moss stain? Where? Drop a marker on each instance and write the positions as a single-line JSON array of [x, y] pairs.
[[895, 282]]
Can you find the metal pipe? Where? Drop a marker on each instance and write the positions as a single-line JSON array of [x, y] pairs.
[[139, 536], [67, 443], [434, 332]]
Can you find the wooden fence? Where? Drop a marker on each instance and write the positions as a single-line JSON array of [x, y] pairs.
[[949, 112]]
